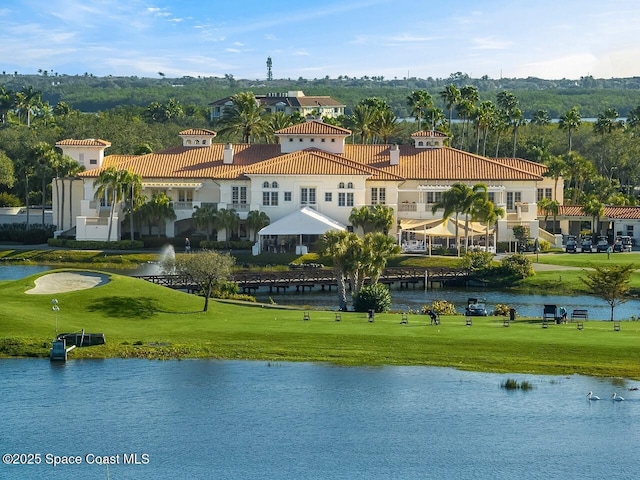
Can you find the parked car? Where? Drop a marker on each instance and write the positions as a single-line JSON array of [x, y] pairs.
[[572, 244], [587, 244], [475, 308], [602, 245]]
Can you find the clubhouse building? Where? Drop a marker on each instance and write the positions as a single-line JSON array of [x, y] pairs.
[[311, 169]]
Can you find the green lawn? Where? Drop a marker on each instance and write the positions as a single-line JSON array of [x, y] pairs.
[[141, 320]]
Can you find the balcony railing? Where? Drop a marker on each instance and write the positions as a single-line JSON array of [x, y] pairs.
[[238, 207], [182, 205]]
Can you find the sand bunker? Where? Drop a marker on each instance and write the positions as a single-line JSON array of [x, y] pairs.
[[67, 282]]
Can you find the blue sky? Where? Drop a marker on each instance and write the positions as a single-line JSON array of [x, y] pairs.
[[550, 39]]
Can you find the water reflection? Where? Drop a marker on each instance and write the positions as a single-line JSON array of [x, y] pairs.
[[261, 420]]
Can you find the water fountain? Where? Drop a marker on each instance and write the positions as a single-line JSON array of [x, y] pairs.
[[167, 257]]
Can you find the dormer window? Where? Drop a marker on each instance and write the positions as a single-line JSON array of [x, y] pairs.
[[265, 185], [341, 185], [274, 184], [350, 185], [188, 142]]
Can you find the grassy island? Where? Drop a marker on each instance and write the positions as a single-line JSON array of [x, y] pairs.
[[141, 320]]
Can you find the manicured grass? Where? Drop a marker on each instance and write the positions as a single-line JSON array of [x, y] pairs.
[[141, 320], [586, 260]]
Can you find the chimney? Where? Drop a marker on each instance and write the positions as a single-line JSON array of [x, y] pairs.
[[394, 155], [227, 154]]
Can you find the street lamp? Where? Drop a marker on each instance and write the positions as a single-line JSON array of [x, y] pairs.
[[56, 309]]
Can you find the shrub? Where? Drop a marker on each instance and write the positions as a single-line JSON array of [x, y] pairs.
[[517, 265], [478, 262], [19, 233], [501, 310], [95, 244], [441, 307], [372, 297], [9, 200]]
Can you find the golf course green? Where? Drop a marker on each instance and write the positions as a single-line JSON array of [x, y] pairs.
[[142, 320]]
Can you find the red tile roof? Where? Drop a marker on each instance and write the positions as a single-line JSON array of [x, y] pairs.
[[615, 212], [198, 131], [429, 133], [89, 142], [313, 127]]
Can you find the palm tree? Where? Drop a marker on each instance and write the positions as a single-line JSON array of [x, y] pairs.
[[245, 117], [517, 120], [382, 218], [277, 121], [419, 101], [157, 210], [334, 245], [70, 169], [570, 121], [110, 186], [549, 207], [594, 208], [46, 157], [633, 119], [386, 126], [470, 199], [469, 96], [606, 123], [451, 97], [483, 116], [227, 219], [540, 118], [205, 216], [488, 212], [257, 220], [379, 247], [26, 99], [556, 167], [451, 204], [579, 170], [132, 193], [360, 217], [499, 125], [7, 102], [361, 121]]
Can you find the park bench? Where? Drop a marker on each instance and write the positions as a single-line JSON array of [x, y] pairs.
[[580, 313]]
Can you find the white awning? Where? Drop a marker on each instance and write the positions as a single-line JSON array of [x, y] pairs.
[[305, 221]]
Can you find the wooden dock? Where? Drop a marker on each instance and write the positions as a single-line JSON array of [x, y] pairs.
[[303, 280]]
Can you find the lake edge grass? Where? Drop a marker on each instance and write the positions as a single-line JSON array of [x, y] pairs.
[[141, 320]]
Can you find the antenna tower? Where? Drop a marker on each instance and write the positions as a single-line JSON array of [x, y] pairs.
[[269, 74]]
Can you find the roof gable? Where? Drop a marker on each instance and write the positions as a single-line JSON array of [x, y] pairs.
[[314, 127]]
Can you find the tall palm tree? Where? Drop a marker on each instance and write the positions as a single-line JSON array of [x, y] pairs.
[[110, 185], [46, 157], [361, 122], [549, 207], [452, 204], [257, 220], [579, 170], [556, 167], [419, 101], [606, 123], [7, 102], [570, 122], [379, 247], [499, 125], [540, 118], [489, 213], [386, 126], [133, 199], [594, 208], [360, 217], [245, 117], [334, 245], [205, 216], [229, 220], [70, 169], [277, 121], [26, 100], [469, 96], [470, 199], [517, 120], [451, 97], [482, 120]]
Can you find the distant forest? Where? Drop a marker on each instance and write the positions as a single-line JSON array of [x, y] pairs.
[[91, 94]]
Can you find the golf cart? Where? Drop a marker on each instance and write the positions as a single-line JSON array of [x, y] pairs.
[[587, 243], [572, 244], [602, 245], [475, 308]]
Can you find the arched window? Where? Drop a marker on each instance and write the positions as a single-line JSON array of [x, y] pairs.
[[341, 185], [188, 142], [350, 185], [197, 142], [420, 143], [265, 185], [274, 184]]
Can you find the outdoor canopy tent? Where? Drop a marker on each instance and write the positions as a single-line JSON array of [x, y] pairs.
[[445, 229], [305, 221]]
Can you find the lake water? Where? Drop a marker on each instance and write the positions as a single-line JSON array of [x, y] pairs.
[[207, 419]]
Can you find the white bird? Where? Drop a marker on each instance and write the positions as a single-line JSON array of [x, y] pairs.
[[591, 396], [616, 398]]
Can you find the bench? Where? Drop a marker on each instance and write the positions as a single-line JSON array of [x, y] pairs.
[[549, 312], [580, 313]]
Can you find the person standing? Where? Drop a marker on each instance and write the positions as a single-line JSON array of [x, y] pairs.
[[187, 245]]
